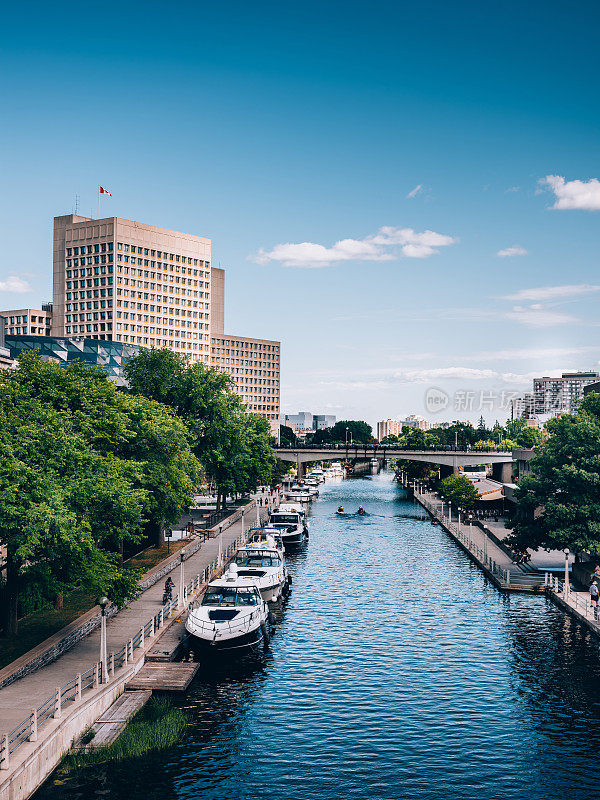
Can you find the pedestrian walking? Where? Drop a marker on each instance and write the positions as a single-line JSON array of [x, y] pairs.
[[594, 595]]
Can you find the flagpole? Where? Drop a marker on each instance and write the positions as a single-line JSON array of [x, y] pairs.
[[98, 217]]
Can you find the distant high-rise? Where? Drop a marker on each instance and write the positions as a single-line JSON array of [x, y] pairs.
[[553, 396]]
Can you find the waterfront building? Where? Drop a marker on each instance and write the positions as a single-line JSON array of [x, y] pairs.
[[111, 356], [124, 281], [253, 364], [322, 421], [305, 422], [553, 396], [28, 321]]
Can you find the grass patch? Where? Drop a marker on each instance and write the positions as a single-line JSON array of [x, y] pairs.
[[154, 555], [157, 726]]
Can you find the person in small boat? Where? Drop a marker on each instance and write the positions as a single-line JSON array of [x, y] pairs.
[[340, 510], [361, 511]]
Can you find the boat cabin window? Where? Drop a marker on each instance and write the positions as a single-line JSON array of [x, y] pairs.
[[257, 561], [224, 597], [290, 519]]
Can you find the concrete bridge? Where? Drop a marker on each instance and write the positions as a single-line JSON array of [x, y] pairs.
[[450, 459]]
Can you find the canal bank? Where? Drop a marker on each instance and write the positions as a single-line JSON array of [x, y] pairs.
[[45, 711], [397, 671]]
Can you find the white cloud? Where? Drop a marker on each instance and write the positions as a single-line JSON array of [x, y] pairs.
[[531, 353], [414, 192], [553, 292], [515, 250], [385, 379], [512, 189], [536, 316], [582, 195], [15, 284], [372, 248]]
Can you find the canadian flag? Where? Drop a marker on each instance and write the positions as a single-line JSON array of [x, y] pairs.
[[105, 191]]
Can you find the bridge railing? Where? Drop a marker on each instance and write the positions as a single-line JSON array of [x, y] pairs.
[[383, 448]]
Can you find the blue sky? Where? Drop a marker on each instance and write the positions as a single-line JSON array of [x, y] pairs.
[[270, 125]]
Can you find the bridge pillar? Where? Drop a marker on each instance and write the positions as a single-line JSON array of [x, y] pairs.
[[301, 470], [503, 472]]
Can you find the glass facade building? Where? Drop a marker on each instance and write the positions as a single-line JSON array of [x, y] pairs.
[[111, 356]]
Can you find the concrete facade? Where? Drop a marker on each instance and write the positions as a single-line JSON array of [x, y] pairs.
[[27, 321], [253, 364], [133, 283]]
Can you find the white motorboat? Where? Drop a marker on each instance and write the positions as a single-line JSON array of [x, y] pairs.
[[299, 495], [309, 486], [263, 564], [232, 617], [259, 537], [291, 526], [295, 508]]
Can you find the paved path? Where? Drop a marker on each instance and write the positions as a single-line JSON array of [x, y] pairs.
[[477, 536], [17, 699]]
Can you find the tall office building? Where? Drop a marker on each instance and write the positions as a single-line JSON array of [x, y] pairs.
[[125, 281], [254, 364], [141, 286]]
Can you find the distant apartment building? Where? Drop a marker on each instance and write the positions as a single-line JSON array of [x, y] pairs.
[[393, 427], [28, 321], [554, 396], [388, 427], [306, 421]]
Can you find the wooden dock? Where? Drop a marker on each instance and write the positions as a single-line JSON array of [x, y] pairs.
[[169, 645], [111, 723], [164, 677]]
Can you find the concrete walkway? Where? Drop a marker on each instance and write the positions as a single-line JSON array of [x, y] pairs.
[[17, 699]]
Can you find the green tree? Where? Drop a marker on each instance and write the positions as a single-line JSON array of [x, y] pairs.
[[85, 469], [558, 503], [231, 444], [287, 436], [460, 491], [359, 432]]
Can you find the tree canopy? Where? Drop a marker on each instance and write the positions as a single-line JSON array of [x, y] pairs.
[[460, 491], [233, 446], [558, 503], [84, 469]]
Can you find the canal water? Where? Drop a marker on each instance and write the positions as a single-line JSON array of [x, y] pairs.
[[397, 671]]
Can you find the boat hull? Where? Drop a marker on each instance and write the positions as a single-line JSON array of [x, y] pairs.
[[235, 646]]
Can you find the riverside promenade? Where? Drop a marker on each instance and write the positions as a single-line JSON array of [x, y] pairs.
[[485, 550], [42, 713]]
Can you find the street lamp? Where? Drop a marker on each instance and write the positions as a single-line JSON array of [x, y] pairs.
[[566, 552], [181, 576], [104, 601], [346, 437]]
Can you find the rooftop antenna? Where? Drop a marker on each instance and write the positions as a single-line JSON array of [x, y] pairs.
[[76, 204]]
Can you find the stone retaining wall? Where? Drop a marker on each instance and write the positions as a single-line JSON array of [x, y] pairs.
[[53, 647]]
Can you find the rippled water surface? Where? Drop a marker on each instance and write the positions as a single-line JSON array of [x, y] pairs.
[[396, 672]]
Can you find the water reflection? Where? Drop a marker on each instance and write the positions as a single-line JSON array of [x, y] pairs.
[[397, 671]]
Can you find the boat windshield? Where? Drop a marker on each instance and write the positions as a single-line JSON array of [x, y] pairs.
[[224, 596], [257, 561], [289, 519]]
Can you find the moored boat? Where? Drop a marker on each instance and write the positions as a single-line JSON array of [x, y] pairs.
[[231, 618], [263, 564]]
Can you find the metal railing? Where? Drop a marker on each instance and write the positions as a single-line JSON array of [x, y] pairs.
[[96, 675], [481, 554], [580, 601]]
